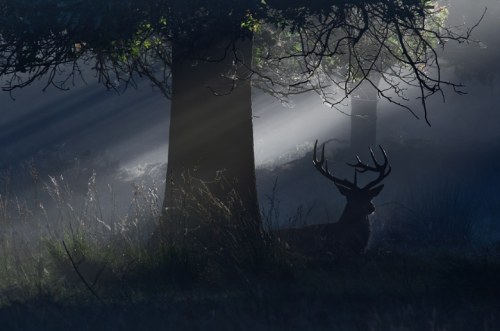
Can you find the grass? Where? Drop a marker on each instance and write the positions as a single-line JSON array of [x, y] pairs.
[[378, 292], [104, 278]]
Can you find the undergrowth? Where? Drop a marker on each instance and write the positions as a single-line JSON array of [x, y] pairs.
[[68, 266]]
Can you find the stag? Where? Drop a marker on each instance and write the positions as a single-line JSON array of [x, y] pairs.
[[353, 229]]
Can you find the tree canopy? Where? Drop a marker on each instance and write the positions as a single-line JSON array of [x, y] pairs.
[[325, 46], [328, 46], [332, 52]]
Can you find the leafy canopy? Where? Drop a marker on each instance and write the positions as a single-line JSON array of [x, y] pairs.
[[321, 45]]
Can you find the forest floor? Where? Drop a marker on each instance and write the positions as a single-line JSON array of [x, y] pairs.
[[433, 264], [384, 289]]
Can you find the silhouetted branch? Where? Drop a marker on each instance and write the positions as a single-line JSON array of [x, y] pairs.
[[329, 47], [75, 266]]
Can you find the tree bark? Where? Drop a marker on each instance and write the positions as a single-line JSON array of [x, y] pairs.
[[210, 135], [364, 116]]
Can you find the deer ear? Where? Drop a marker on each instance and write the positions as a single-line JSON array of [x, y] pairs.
[[376, 191], [343, 190]]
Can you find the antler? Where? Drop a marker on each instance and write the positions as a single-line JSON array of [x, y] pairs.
[[318, 164], [359, 167], [380, 168]]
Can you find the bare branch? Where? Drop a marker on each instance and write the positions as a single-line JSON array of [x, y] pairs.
[[75, 266]]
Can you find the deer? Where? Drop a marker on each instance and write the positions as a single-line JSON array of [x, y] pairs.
[[353, 230]]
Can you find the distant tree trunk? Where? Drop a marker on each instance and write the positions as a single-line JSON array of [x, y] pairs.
[[212, 134], [364, 119]]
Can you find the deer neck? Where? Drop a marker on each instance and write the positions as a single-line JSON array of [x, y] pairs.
[[353, 214]]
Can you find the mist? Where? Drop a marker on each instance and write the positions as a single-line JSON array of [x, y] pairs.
[[123, 138], [458, 150], [408, 242]]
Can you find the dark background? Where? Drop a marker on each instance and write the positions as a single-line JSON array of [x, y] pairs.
[[124, 138]]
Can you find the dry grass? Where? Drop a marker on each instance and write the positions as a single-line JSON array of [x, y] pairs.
[[219, 278]]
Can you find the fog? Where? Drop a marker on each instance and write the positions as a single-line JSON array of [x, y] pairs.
[[124, 138], [460, 146]]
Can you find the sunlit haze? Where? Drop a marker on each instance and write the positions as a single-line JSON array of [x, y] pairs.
[[131, 129]]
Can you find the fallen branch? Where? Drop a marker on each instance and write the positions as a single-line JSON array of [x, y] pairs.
[[75, 266]]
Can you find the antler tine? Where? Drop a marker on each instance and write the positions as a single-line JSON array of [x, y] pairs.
[[381, 177], [315, 159], [375, 160], [318, 164], [364, 167], [380, 168], [384, 154]]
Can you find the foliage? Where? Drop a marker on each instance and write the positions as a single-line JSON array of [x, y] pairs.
[[232, 283], [333, 51], [52, 38], [221, 230], [302, 45]]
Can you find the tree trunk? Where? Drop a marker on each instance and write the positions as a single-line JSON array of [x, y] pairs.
[[210, 135], [364, 116]]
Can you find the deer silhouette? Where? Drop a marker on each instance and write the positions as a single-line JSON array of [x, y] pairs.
[[353, 229]]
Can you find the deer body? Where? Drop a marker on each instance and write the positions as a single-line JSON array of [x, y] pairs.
[[353, 229]]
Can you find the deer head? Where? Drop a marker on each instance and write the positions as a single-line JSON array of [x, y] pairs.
[[353, 229], [350, 190]]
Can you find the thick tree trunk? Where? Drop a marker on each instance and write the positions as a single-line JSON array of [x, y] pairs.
[[210, 135], [364, 119]]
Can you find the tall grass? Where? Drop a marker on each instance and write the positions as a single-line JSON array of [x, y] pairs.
[[221, 231], [444, 214], [221, 275], [73, 244]]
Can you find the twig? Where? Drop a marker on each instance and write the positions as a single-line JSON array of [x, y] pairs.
[[75, 266]]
